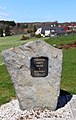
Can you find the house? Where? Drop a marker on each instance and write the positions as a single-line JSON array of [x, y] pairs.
[[50, 31]]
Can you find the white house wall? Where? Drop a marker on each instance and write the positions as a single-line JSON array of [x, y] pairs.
[[47, 32], [38, 31]]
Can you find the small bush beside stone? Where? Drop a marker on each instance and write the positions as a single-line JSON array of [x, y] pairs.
[[38, 36], [24, 38]]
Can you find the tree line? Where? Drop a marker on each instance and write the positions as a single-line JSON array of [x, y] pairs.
[[5, 27], [9, 23], [5, 32]]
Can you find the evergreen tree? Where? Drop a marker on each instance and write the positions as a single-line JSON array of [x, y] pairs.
[[7, 31], [35, 29], [1, 32]]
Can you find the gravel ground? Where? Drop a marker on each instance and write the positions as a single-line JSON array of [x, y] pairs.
[[11, 111]]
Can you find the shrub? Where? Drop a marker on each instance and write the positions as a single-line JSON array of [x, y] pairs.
[[38, 36], [32, 35], [24, 38]]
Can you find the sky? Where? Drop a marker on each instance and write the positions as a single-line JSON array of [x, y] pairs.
[[38, 10]]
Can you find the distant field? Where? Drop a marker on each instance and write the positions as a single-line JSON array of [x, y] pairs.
[[68, 82]]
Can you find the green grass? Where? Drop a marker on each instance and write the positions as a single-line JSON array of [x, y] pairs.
[[68, 81], [7, 91], [61, 40], [69, 71]]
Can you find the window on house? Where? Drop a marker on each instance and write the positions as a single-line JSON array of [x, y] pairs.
[[52, 30]]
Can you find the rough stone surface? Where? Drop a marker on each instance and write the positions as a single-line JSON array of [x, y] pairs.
[[35, 92]]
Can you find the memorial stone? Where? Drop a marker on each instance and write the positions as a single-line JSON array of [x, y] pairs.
[[35, 69]]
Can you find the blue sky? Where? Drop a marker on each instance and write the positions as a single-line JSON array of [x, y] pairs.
[[38, 10]]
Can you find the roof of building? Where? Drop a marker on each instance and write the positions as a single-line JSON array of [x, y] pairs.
[[56, 29]]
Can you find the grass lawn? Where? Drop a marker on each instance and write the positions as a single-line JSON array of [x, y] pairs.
[[68, 82], [61, 40]]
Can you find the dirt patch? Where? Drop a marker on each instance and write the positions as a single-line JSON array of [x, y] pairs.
[[67, 46]]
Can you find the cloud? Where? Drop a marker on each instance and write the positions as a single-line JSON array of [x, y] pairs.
[[2, 11], [3, 14], [2, 8]]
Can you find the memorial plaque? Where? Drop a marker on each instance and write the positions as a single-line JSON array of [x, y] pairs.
[[39, 66]]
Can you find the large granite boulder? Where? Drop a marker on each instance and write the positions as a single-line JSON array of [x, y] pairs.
[[35, 69]]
